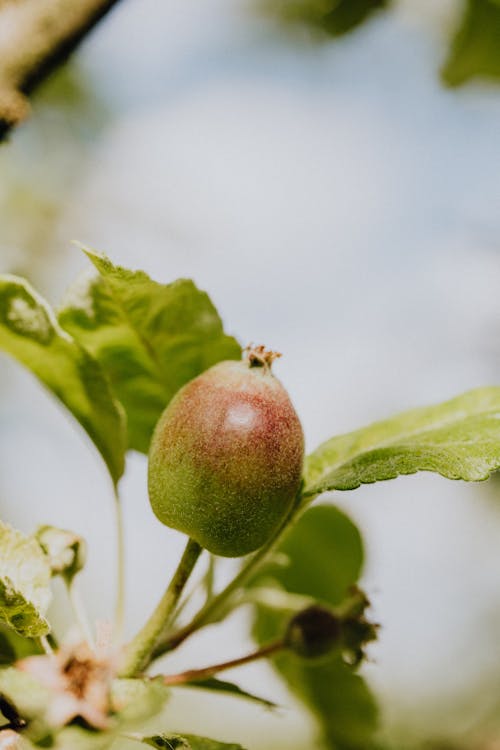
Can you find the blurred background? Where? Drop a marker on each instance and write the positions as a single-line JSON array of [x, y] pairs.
[[340, 203]]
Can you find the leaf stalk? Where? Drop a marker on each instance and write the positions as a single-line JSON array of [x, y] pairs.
[[206, 672]]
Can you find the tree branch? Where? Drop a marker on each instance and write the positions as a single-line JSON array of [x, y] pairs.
[[35, 37]]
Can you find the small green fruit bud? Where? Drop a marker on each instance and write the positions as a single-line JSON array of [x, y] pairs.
[[66, 551], [314, 632], [226, 457]]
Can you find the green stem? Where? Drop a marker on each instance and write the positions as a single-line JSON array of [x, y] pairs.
[[206, 672], [206, 583], [211, 609], [209, 612], [139, 650], [209, 578], [120, 573]]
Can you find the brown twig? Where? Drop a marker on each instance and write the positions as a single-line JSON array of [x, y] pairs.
[[206, 672], [35, 37]]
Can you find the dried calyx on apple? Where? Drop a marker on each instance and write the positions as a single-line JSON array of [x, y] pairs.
[[320, 631], [226, 456]]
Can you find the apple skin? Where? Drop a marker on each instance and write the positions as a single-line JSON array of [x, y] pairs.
[[226, 458]]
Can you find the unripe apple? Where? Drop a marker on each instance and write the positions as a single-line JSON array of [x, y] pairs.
[[226, 456]]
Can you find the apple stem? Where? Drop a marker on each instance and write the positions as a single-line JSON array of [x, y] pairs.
[[210, 611], [138, 651]]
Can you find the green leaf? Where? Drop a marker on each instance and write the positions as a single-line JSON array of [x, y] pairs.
[[186, 742], [335, 17], [30, 333], [150, 338], [325, 557], [24, 583], [229, 688], [459, 439], [475, 50]]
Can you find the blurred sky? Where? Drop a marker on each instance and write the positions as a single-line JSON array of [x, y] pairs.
[[339, 205]]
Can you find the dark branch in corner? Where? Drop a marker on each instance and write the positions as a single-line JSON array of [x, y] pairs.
[[35, 37]]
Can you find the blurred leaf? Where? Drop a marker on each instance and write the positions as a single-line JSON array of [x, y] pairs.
[[475, 50], [78, 738], [7, 650], [136, 700], [229, 688], [11, 740], [338, 696], [31, 699], [71, 101], [325, 557], [14, 646], [459, 439], [150, 338], [335, 17], [186, 742], [274, 597], [30, 333], [24, 583]]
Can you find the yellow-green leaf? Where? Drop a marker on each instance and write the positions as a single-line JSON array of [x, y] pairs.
[[186, 742], [475, 50], [30, 333], [227, 688], [24, 583], [334, 17], [459, 439], [150, 338]]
